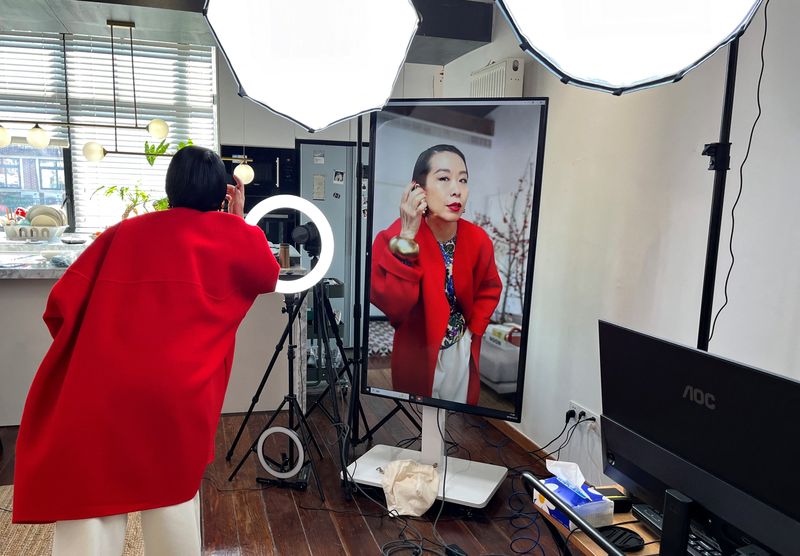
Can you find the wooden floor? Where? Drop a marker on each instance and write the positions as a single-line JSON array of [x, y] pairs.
[[241, 518]]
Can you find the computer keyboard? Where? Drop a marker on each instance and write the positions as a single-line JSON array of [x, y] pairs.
[[699, 544]]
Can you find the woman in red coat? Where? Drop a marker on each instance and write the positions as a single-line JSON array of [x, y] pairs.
[[122, 412], [434, 276]]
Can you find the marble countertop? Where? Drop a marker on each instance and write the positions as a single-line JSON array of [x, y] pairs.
[[25, 260]]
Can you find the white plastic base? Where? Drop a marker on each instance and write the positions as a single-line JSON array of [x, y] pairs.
[[469, 483]]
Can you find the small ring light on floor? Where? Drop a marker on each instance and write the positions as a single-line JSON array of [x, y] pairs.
[[297, 444], [325, 232]]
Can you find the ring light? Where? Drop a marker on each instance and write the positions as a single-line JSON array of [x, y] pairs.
[[325, 232], [297, 444]]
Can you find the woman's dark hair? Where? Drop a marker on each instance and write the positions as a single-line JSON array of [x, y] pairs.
[[423, 165], [196, 179]]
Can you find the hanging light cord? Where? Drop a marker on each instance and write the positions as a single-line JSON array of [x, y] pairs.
[[114, 88], [741, 175], [133, 79]]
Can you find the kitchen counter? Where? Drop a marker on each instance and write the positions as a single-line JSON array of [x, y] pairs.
[[25, 260]]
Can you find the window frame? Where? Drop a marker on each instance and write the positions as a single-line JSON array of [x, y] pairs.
[[3, 166]]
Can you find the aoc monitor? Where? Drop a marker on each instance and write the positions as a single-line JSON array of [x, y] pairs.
[[718, 431], [452, 215]]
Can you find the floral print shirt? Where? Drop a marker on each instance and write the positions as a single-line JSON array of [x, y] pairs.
[[456, 325]]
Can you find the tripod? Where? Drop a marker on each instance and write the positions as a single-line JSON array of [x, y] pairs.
[[323, 320], [293, 306]]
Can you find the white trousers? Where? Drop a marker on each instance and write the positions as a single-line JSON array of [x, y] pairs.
[[169, 531], [451, 377]]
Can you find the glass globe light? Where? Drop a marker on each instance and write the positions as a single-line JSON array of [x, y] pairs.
[[244, 172], [5, 137], [158, 129], [94, 152], [38, 137]]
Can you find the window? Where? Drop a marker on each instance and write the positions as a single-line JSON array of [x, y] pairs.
[[31, 176], [9, 173], [51, 174], [174, 82]]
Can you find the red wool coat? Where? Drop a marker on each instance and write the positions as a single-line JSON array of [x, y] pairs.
[[122, 412], [413, 298]]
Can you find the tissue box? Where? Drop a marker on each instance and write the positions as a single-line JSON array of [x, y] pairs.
[[598, 510]]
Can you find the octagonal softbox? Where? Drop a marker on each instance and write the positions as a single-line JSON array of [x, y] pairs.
[[620, 46], [315, 62]]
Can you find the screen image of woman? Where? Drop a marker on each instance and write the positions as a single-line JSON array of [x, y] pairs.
[[434, 276]]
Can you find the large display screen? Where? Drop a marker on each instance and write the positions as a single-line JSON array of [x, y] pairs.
[[452, 215]]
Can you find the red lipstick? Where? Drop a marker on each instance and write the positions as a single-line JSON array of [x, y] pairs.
[[455, 207]]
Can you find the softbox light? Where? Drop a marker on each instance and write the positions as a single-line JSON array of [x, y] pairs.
[[625, 45], [315, 62]]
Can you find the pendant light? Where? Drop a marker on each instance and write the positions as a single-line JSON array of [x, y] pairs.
[[94, 151], [243, 170], [158, 129], [38, 137]]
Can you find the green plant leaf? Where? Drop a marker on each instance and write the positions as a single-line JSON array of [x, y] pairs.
[[161, 204]]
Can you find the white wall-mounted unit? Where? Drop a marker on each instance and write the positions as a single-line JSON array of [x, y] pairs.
[[498, 79]]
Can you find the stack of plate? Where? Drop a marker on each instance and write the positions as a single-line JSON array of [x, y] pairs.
[[42, 223], [43, 215]]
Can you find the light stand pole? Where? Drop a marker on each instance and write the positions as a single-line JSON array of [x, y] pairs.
[[720, 154]]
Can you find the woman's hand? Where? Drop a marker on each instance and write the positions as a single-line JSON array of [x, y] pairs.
[[235, 198], [412, 208]]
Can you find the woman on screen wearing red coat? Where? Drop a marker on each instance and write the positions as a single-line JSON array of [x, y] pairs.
[[122, 413], [434, 276]]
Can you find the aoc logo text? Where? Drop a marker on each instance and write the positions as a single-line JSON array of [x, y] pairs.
[[699, 397]]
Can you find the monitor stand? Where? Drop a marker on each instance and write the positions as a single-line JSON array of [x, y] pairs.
[[468, 483]]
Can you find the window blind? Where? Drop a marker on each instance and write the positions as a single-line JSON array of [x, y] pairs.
[[174, 82], [32, 84]]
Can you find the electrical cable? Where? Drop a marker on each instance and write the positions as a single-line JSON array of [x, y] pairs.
[[416, 545], [549, 443], [741, 176]]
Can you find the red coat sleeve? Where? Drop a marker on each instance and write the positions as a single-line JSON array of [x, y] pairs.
[[488, 289], [68, 297], [394, 286], [263, 269]]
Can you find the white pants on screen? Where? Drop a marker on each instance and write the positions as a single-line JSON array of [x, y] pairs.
[[451, 377], [168, 531]]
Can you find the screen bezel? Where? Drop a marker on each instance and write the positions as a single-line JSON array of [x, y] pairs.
[[516, 415]]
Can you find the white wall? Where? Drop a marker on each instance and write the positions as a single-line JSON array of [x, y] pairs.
[[241, 120], [624, 220]]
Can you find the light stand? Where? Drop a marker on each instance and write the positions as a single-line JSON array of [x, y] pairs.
[[323, 255], [354, 408], [293, 306], [720, 154]]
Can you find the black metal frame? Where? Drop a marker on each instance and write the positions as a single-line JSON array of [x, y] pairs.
[[516, 416], [720, 161]]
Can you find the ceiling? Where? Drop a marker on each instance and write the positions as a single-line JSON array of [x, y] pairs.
[[85, 17], [438, 40]]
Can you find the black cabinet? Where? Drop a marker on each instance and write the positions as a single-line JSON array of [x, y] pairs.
[[275, 174]]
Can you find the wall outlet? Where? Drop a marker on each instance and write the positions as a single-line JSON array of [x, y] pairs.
[[578, 408]]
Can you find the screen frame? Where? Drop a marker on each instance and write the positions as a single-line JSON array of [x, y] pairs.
[[516, 415]]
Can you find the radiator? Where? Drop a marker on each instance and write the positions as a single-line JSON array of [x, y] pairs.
[[498, 79]]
